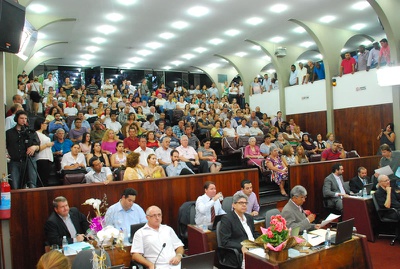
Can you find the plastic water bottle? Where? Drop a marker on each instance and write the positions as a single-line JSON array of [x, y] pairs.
[[328, 238], [364, 192], [305, 236], [65, 245]]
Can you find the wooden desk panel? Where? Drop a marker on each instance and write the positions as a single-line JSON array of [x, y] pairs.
[[311, 176], [350, 254], [31, 207], [117, 256]]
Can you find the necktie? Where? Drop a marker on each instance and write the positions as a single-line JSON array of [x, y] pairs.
[[212, 213]]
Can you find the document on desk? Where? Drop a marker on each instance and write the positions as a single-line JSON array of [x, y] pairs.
[[386, 170], [317, 237], [329, 219], [79, 246]]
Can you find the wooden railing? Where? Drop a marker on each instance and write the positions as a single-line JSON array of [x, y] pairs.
[[31, 207]]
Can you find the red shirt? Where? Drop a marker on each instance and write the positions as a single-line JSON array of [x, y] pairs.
[[329, 155], [348, 65], [131, 144]]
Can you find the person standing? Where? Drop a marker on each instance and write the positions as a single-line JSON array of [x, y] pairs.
[[44, 158], [387, 136]]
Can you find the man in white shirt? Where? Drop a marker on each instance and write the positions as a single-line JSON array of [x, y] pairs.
[[107, 87], [10, 123], [160, 102], [114, 124], [143, 151], [100, 173], [373, 56], [208, 205], [213, 91], [103, 98], [149, 125], [163, 153], [266, 85], [156, 245], [189, 155], [243, 129], [302, 74], [49, 82]]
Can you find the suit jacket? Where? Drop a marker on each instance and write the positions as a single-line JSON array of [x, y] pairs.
[[295, 218], [356, 184], [55, 227], [330, 188]]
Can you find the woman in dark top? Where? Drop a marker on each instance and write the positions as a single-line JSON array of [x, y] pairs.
[[309, 147], [319, 144], [387, 136], [98, 152]]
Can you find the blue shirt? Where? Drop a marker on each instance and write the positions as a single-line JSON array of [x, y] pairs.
[[169, 105], [65, 146], [176, 171], [117, 217], [320, 71]]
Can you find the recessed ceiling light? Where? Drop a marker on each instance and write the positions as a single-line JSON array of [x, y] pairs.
[[343, 50], [277, 39], [106, 29], [358, 26], [128, 65], [200, 49], [126, 2], [213, 65], [307, 44], [135, 60], [37, 8], [254, 21], [225, 61], [366, 43], [98, 40], [266, 57], [241, 54], [114, 17], [179, 24], [271, 71], [144, 52], [278, 8], [361, 5], [255, 47], [319, 56], [166, 35], [299, 30], [82, 63], [39, 54], [153, 45], [327, 19], [215, 41], [176, 63], [87, 56], [188, 56], [167, 67], [198, 11], [232, 32], [92, 49], [41, 35]]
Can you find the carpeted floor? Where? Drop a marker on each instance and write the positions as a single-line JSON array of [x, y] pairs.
[[384, 255]]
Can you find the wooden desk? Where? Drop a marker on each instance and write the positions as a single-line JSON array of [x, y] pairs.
[[351, 254], [200, 241], [117, 256], [364, 214]]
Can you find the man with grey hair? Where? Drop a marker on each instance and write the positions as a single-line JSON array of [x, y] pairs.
[[237, 226], [189, 155], [387, 197], [65, 221], [294, 214]]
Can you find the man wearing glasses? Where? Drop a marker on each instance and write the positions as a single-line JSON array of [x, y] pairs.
[[155, 244], [294, 214], [387, 197], [237, 226]]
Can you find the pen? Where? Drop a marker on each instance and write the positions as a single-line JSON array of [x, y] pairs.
[[315, 236]]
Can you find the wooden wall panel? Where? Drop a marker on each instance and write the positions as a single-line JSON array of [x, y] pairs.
[[314, 122], [358, 127], [311, 176], [31, 207]]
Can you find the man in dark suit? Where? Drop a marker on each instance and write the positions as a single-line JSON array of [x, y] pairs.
[[294, 214], [334, 188], [237, 226], [65, 221], [357, 183]]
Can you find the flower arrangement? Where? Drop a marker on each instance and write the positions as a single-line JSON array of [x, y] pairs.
[[276, 235]]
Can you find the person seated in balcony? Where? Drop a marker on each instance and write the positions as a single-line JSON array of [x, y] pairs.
[[133, 169], [73, 160], [280, 142], [177, 167], [267, 146], [330, 138], [228, 131], [97, 152], [217, 131], [253, 154], [255, 130], [348, 65], [99, 173], [243, 129], [189, 155], [320, 144], [387, 136], [301, 156], [308, 146], [334, 153], [207, 154], [289, 136], [203, 123], [278, 169], [61, 144], [58, 123], [288, 157]]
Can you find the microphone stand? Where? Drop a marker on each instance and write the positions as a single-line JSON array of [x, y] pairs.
[[163, 246]]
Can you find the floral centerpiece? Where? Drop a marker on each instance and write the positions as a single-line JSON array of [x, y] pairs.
[[104, 236]]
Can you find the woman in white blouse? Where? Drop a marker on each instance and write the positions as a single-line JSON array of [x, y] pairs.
[[44, 158]]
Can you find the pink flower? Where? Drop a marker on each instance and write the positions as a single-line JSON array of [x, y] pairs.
[[270, 234], [279, 227]]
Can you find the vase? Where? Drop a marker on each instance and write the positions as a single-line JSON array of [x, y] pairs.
[[278, 256]]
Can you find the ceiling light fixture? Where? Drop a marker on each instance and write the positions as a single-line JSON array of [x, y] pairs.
[[41, 35], [358, 26], [166, 35], [114, 17], [39, 54], [278, 8], [128, 65], [255, 47], [92, 49], [188, 56], [37, 8], [135, 60], [241, 54], [327, 19], [307, 44], [87, 56], [215, 41], [266, 57], [232, 32], [254, 21], [179, 25], [98, 40], [82, 63], [361, 5], [176, 63], [200, 49], [144, 52], [153, 45], [299, 30], [271, 71], [106, 29], [167, 67], [126, 2], [198, 11], [213, 65], [277, 39]]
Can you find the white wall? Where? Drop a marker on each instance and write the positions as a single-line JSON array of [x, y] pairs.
[[306, 98], [360, 89], [268, 102]]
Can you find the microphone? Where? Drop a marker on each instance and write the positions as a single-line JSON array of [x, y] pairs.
[[163, 246]]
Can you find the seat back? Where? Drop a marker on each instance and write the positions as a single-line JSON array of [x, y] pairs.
[[74, 179], [315, 158], [227, 204], [186, 215], [177, 115], [229, 145], [83, 259], [269, 214], [217, 231], [243, 141]]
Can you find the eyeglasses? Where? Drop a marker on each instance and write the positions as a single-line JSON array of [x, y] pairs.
[[155, 215], [242, 203]]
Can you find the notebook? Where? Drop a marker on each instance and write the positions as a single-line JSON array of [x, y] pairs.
[[344, 232], [368, 187], [134, 228]]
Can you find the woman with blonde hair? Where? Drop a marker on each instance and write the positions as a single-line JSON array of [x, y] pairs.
[[288, 157], [109, 142], [53, 260], [153, 170], [301, 156], [133, 169]]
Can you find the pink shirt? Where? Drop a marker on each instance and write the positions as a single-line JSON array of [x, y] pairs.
[[109, 146], [188, 152]]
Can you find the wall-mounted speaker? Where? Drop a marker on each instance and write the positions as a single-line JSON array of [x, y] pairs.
[[12, 20]]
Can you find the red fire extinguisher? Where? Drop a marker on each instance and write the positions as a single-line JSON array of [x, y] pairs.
[[5, 205]]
